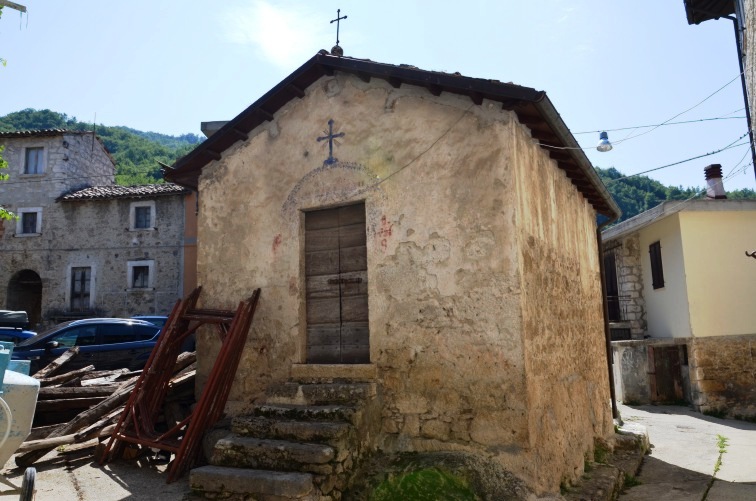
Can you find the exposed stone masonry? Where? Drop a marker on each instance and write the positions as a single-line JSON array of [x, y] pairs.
[[630, 282]]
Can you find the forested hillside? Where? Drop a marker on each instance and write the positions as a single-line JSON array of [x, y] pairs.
[[640, 193], [136, 153]]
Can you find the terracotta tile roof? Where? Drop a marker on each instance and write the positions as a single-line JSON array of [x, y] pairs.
[[114, 191], [532, 107]]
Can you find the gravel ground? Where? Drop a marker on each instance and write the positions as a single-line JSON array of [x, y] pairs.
[[73, 475]]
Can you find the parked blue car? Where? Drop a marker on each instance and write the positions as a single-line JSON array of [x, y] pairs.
[[15, 335], [158, 320], [106, 343]]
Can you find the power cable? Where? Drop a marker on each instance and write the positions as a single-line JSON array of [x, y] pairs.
[[729, 146], [659, 125], [653, 127], [682, 112]]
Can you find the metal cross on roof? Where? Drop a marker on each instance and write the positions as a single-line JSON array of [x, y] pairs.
[[337, 21], [330, 136]]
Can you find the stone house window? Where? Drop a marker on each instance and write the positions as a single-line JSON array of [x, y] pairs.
[[34, 160], [614, 301], [657, 273], [142, 216], [141, 275], [81, 288], [29, 222]]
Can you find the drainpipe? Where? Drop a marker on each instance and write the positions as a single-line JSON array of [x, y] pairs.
[[605, 305], [738, 44]]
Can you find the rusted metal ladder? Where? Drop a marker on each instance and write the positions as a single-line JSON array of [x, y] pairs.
[[137, 422]]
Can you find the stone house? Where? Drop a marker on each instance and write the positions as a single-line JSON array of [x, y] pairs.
[[430, 234], [81, 245], [685, 293]]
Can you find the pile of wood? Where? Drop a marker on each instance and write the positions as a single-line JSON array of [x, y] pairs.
[[90, 402]]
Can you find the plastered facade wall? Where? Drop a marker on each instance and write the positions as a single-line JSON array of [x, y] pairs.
[[562, 316], [720, 283], [667, 307], [439, 178], [721, 280]]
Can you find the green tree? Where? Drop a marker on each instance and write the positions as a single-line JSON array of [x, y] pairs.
[[136, 153], [639, 193], [4, 213]]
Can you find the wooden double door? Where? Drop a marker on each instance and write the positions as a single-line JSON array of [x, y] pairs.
[[336, 286]]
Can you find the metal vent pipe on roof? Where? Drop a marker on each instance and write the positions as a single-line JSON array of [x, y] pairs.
[[714, 184]]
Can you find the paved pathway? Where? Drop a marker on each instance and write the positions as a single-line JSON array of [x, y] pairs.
[[684, 453]]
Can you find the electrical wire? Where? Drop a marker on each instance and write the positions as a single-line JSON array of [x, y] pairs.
[[682, 112], [659, 125], [702, 191], [729, 146], [653, 127]]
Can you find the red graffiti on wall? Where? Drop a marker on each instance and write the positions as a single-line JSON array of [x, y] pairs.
[[277, 242], [385, 232]]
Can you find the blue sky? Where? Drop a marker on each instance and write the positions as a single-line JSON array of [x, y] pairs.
[[167, 65]]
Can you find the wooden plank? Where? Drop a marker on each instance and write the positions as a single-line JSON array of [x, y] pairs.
[[56, 364], [68, 376], [320, 219], [63, 392], [82, 420], [324, 239], [355, 354], [67, 404], [351, 214], [353, 259], [327, 335], [355, 283], [353, 235], [321, 263], [355, 333], [47, 443], [322, 355], [354, 309], [317, 287], [323, 311], [41, 432]]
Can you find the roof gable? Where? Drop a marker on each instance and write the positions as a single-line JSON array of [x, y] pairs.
[[533, 109]]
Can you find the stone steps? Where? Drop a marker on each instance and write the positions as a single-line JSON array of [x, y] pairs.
[[266, 485], [333, 433], [300, 444], [293, 412], [319, 393], [279, 455]]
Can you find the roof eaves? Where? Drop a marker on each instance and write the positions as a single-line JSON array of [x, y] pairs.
[[698, 11], [609, 207], [186, 170]]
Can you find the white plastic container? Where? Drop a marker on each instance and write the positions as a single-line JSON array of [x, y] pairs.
[[19, 399]]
